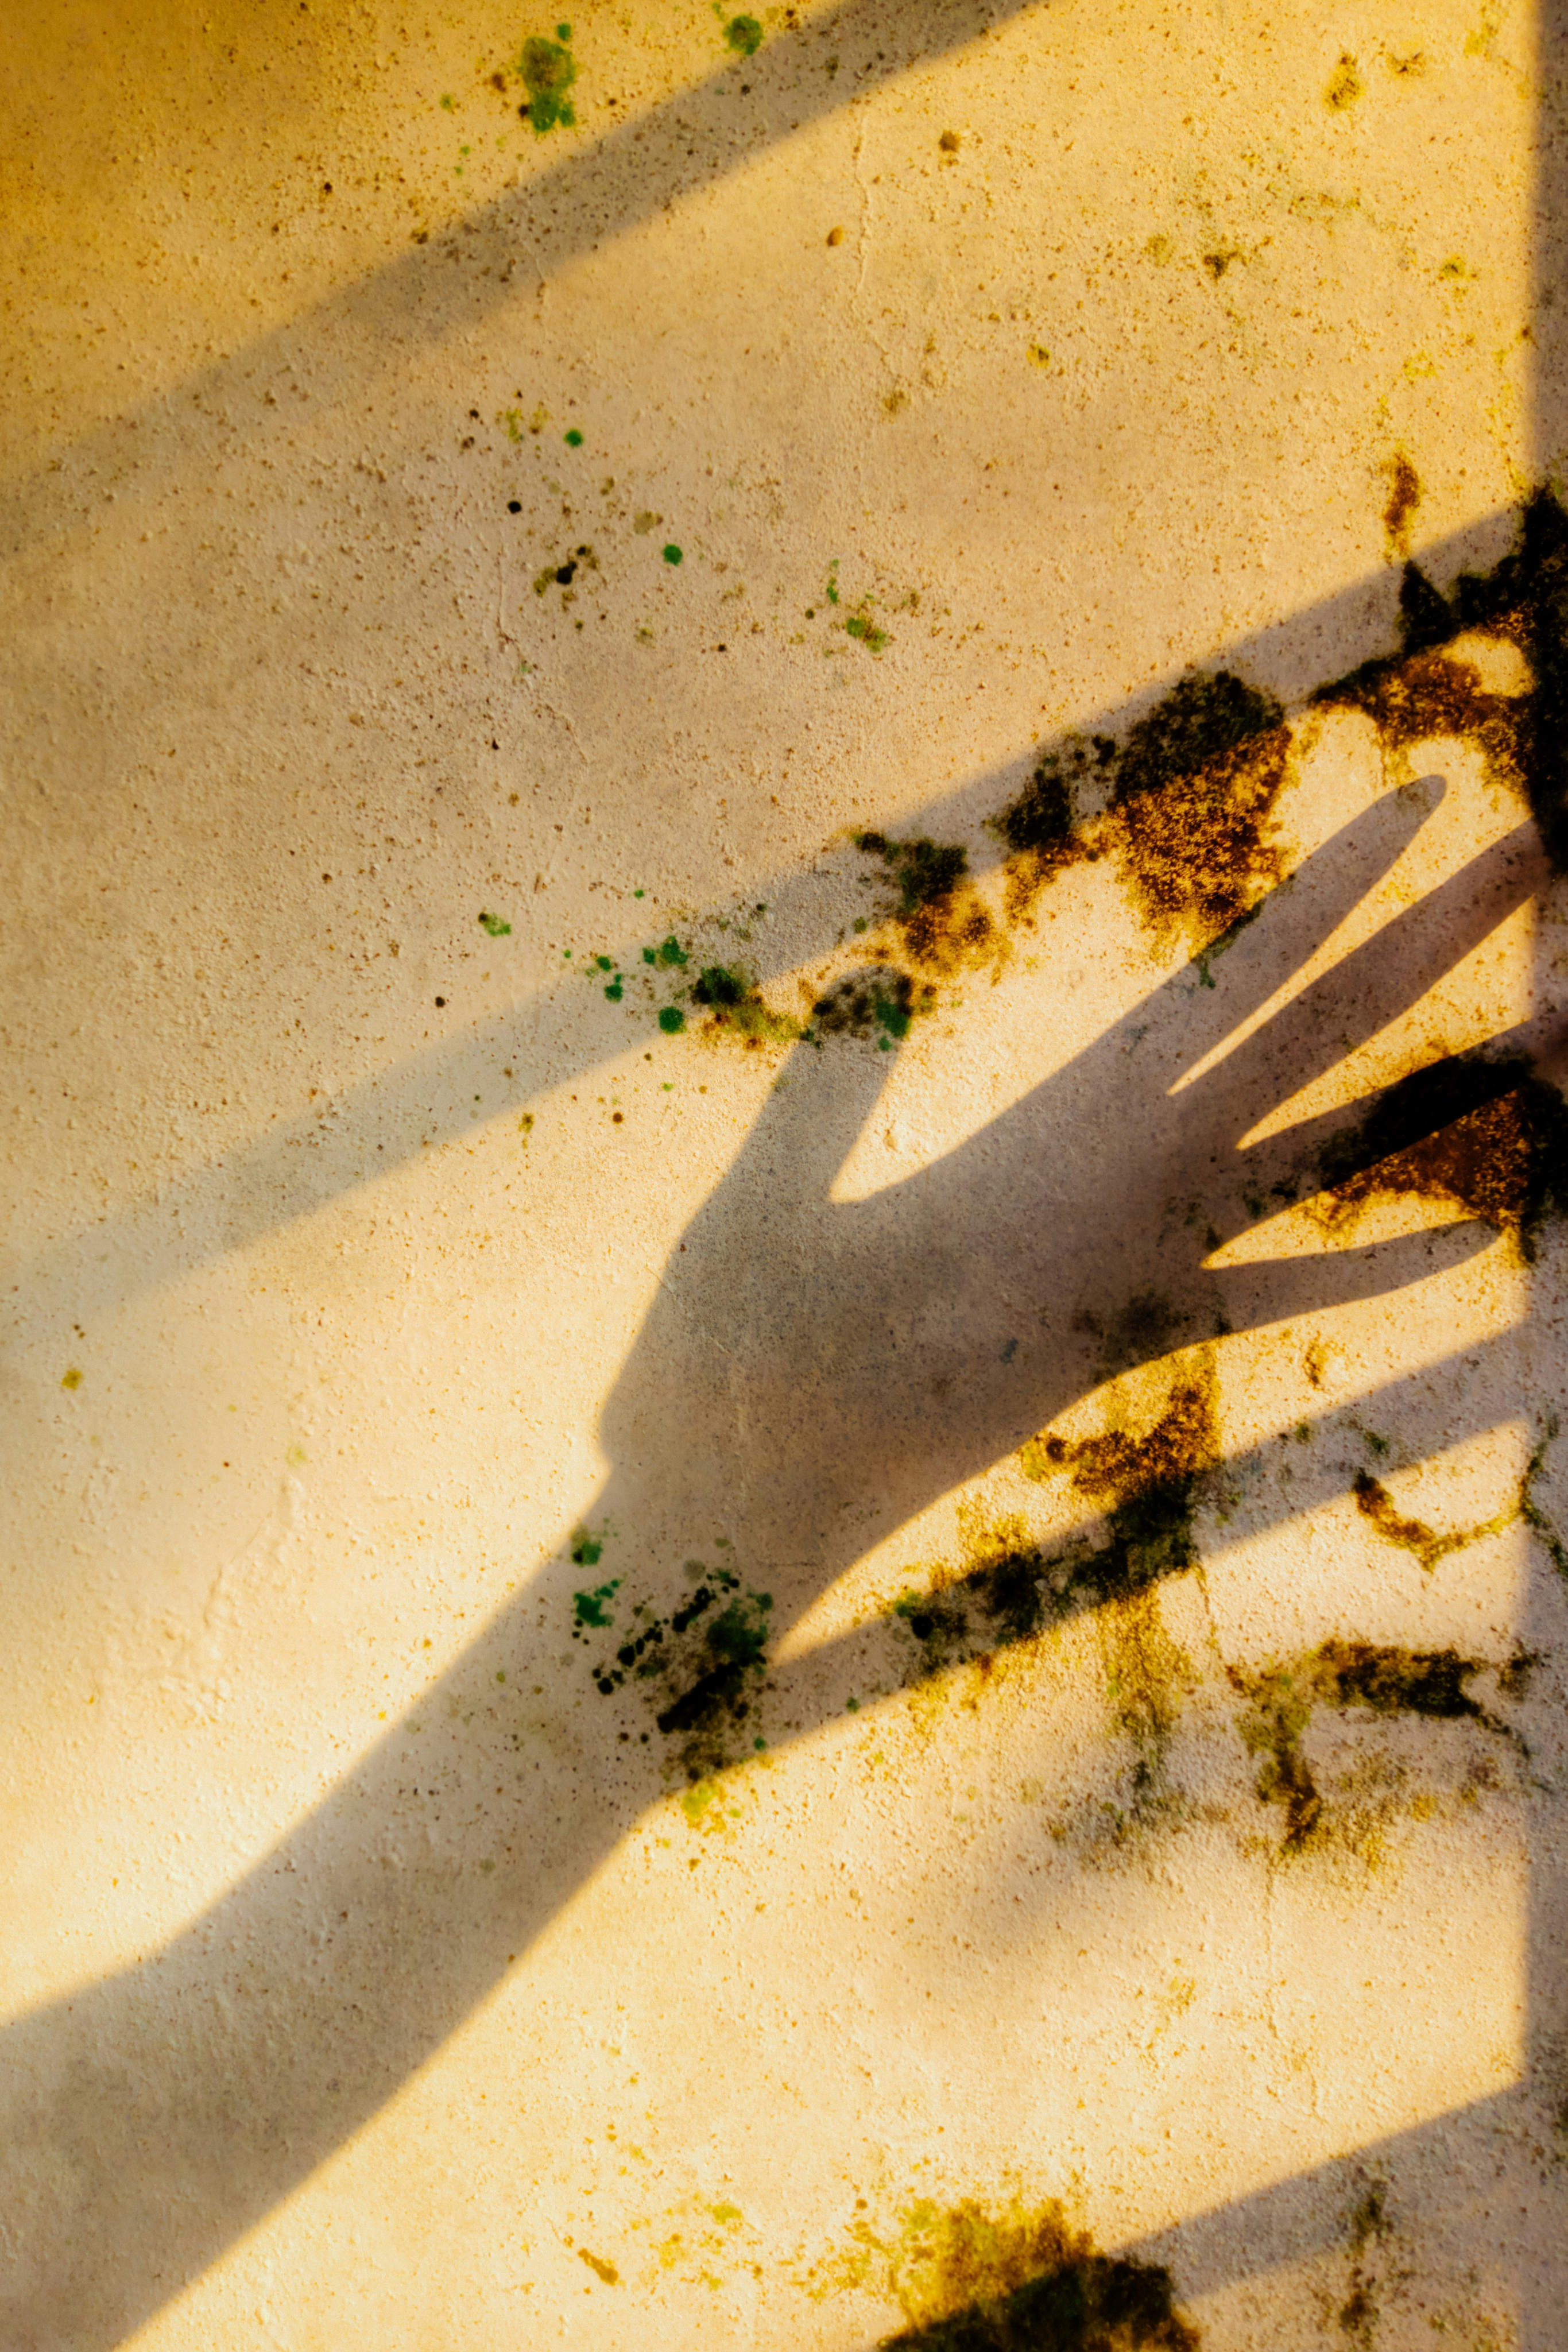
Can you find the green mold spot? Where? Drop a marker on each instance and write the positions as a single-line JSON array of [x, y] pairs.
[[861, 627], [548, 71], [572, 437], [672, 554], [669, 953], [744, 35], [497, 929], [737, 1007], [616, 990], [587, 1549], [605, 964], [591, 1608], [70, 1379], [671, 1020]]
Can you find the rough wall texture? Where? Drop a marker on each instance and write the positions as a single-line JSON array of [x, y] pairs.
[[787, 1551]]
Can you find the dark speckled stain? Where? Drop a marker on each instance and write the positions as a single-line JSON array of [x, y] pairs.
[[940, 917], [1387, 1681], [1148, 1488], [1403, 498], [880, 1004], [970, 2281], [736, 1005], [1421, 692], [710, 1655], [1188, 797], [1486, 1135]]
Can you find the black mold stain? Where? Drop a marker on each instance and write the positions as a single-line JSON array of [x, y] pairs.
[[1418, 692], [1366, 2224], [1040, 828], [942, 921], [864, 1004], [1148, 1488], [1387, 1681], [1195, 786], [1191, 790], [1403, 498], [1487, 1135], [736, 1004], [1029, 2285]]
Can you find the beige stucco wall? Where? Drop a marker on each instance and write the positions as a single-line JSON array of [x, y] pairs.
[[367, 1968]]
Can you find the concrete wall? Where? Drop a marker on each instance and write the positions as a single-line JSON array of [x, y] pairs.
[[776, 1563]]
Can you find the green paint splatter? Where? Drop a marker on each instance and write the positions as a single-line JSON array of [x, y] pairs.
[[548, 71], [496, 927], [591, 1607], [573, 438], [744, 35], [672, 554], [671, 1020]]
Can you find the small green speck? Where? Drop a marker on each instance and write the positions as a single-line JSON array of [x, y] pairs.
[[671, 1020], [563, 32], [496, 927], [605, 964], [615, 992], [71, 1379], [501, 1674], [672, 554], [854, 1705], [449, 101], [638, 894], [672, 951], [744, 35], [572, 438]]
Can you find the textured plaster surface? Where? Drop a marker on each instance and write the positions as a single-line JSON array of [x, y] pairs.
[[442, 564]]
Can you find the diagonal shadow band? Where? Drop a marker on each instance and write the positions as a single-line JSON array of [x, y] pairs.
[[370, 1131], [1446, 2164], [153, 2117], [597, 190]]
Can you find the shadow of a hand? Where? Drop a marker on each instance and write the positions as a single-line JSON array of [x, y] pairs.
[[812, 1362]]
